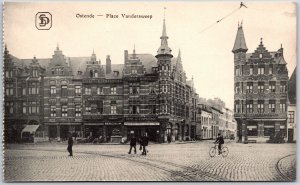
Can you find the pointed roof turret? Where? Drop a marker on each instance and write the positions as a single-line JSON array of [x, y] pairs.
[[240, 43], [93, 57], [164, 48], [133, 53], [179, 56]]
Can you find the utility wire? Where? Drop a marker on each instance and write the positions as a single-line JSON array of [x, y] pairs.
[[241, 5]]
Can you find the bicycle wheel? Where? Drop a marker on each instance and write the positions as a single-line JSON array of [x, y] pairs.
[[225, 151], [212, 152]]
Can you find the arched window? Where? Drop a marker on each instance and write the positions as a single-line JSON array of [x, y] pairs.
[[96, 74]]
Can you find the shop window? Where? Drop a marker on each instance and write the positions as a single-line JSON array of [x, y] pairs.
[[269, 130], [252, 130]]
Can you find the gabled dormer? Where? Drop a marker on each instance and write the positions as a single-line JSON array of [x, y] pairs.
[[58, 65], [35, 69], [133, 65], [94, 68]]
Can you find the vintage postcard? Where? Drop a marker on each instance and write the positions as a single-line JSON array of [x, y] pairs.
[[149, 91]]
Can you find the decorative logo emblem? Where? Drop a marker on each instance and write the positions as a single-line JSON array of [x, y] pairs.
[[43, 21]]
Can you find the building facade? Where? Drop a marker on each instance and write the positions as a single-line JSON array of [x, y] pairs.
[[204, 118], [292, 109], [79, 95], [260, 86], [23, 92]]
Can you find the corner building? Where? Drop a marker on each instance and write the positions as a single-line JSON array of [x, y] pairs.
[[260, 86]]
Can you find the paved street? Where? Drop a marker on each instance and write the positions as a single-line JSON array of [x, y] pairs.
[[164, 162]]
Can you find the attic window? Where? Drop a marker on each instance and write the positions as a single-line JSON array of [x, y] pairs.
[[79, 72], [260, 55]]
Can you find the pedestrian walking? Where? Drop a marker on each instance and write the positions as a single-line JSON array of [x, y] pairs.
[[70, 145], [144, 142], [169, 139], [132, 144]]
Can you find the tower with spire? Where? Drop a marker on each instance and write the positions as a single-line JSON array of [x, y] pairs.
[[164, 57], [240, 47]]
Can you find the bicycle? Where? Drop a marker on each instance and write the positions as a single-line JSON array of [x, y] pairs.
[[213, 151]]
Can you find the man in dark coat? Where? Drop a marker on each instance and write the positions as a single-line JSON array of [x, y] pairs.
[[144, 143], [132, 144], [70, 145], [220, 141]]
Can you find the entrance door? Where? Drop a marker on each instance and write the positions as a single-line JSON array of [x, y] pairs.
[[52, 131], [290, 135], [152, 133]]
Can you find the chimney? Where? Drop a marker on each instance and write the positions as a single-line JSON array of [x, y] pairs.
[[125, 56], [108, 65]]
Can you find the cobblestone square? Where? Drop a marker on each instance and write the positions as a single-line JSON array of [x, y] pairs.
[[164, 162]]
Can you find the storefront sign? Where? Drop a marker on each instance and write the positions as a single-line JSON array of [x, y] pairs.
[[100, 124], [108, 123], [141, 123], [141, 118], [102, 81]]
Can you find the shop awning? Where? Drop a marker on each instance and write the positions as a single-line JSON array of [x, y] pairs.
[[140, 123], [30, 128]]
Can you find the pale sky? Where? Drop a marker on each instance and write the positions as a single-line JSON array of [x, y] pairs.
[[206, 55]]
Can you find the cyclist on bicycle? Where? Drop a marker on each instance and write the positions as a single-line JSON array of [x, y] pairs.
[[220, 141]]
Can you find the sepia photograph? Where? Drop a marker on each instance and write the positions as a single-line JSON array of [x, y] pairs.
[[163, 91]]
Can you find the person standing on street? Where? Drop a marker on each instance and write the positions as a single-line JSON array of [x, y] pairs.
[[132, 144], [144, 143], [70, 145]]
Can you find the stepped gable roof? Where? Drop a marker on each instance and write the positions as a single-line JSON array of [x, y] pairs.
[[147, 60]]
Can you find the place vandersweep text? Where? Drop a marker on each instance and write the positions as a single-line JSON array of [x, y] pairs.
[[114, 16]]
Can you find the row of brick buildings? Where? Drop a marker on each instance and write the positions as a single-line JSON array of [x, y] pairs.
[[147, 94], [215, 119]]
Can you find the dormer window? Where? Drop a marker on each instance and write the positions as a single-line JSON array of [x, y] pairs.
[[79, 72]]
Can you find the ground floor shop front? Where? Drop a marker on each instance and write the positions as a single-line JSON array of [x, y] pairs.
[[261, 130], [116, 132]]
